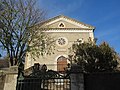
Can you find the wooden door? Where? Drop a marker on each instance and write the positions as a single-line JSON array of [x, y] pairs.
[[61, 64]]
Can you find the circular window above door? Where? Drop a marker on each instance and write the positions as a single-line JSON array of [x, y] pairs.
[[62, 41]]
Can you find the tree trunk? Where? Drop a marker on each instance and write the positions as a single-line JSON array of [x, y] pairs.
[[11, 61], [16, 62]]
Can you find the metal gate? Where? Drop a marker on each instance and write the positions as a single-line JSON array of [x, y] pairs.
[[44, 80]]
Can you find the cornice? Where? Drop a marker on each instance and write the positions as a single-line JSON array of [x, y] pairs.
[[66, 29]]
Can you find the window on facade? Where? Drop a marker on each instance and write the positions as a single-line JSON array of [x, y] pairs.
[[61, 41], [79, 41], [61, 25]]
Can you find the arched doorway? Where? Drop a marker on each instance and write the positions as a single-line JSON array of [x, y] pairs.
[[61, 64]]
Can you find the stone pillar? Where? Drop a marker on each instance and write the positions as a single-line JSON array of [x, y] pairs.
[[11, 78], [77, 78], [2, 79]]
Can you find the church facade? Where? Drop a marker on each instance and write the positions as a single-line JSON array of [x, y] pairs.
[[66, 31]]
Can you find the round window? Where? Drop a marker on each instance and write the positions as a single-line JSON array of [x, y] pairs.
[[62, 41]]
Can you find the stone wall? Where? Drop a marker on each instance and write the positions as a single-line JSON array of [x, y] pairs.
[[11, 78], [77, 78], [10, 82], [77, 81], [2, 80], [102, 81]]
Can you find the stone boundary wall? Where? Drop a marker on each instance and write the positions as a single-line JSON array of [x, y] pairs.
[[94, 81], [9, 80], [2, 80], [102, 81]]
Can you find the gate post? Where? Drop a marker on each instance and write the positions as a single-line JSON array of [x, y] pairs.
[[77, 78], [11, 78]]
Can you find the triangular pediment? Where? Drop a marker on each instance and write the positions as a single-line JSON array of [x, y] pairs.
[[65, 22]]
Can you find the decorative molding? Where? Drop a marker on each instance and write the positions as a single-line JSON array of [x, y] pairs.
[[61, 17], [61, 50], [80, 25], [46, 29], [68, 31]]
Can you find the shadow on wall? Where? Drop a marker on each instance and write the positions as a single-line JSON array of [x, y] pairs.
[[2, 80]]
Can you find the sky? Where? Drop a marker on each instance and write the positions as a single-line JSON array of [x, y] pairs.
[[104, 15]]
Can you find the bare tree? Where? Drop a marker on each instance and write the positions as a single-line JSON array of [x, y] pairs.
[[20, 32]]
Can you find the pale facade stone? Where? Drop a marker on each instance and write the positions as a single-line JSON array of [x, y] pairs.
[[65, 35]]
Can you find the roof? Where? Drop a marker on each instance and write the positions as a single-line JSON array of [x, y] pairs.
[[62, 16], [4, 63]]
